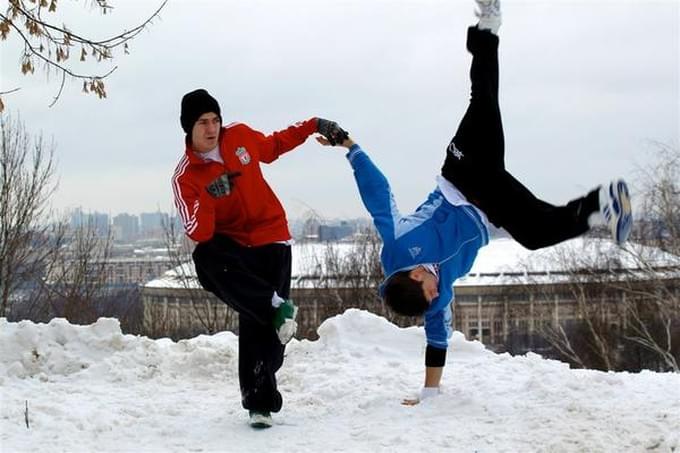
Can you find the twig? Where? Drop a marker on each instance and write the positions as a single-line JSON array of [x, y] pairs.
[[61, 88], [26, 416], [112, 42], [10, 91]]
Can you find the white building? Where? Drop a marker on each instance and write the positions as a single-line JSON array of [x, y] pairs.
[[509, 291]]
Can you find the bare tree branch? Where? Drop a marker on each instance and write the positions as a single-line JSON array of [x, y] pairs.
[[644, 295], [51, 44], [27, 172]]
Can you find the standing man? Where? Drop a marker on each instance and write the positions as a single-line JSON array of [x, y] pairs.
[[425, 252], [243, 253]]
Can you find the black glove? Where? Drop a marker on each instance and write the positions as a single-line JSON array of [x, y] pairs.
[[221, 186], [331, 130]]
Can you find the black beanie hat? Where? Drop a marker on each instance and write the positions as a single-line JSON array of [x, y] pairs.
[[194, 105]]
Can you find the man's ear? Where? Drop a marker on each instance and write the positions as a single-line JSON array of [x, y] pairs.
[[417, 274]]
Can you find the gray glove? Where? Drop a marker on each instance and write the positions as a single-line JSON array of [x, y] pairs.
[[222, 186], [331, 130]]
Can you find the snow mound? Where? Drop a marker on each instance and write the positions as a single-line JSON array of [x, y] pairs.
[[62, 349], [364, 330]]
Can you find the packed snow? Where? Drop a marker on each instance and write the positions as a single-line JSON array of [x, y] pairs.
[[93, 389]]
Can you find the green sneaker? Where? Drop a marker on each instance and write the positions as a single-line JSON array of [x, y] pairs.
[[260, 420], [284, 321]]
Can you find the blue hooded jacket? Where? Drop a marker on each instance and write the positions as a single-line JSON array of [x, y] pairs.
[[437, 232]]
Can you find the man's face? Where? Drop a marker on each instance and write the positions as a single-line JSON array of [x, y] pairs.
[[429, 282], [206, 132]]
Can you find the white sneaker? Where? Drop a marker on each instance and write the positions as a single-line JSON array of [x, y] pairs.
[[287, 331], [616, 210], [260, 420], [489, 15]]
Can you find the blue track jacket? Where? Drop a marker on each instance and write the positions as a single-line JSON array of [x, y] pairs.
[[437, 232]]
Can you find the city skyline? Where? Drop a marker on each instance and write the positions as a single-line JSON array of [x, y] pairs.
[[173, 214], [129, 227]]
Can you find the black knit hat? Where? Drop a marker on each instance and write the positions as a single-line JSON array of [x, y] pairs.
[[194, 105]]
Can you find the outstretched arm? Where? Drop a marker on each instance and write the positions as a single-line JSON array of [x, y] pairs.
[[373, 187], [277, 143]]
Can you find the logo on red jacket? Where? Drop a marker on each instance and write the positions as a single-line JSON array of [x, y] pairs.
[[243, 155]]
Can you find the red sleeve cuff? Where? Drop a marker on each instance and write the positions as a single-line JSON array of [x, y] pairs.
[[309, 126]]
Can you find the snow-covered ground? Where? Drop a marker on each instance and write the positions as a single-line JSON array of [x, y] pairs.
[[92, 389]]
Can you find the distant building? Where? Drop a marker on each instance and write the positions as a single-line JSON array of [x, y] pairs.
[[175, 305], [77, 218], [316, 229], [310, 229], [125, 227], [135, 271], [117, 272], [331, 233], [96, 220], [508, 295], [152, 223], [512, 293]]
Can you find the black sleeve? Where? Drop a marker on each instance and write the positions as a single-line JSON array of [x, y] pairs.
[[435, 357]]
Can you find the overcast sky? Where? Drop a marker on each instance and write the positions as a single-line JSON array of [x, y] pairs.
[[585, 87]]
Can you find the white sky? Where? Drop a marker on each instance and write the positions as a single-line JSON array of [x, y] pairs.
[[585, 86], [90, 388]]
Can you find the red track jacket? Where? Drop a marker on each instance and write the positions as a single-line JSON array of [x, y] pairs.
[[251, 214]]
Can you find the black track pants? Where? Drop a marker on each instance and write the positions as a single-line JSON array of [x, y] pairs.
[[475, 163], [245, 278]]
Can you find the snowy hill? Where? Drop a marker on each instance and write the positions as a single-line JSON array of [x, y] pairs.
[[90, 388]]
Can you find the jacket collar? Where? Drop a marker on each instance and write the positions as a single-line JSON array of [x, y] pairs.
[[191, 154]]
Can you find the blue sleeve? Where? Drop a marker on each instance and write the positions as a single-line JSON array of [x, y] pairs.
[[438, 327], [375, 193]]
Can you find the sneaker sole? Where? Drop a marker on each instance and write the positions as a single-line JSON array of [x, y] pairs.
[[260, 425], [623, 208], [260, 422]]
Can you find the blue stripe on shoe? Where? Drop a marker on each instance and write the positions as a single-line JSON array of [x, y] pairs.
[[623, 210]]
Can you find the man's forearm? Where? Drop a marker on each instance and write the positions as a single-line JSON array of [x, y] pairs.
[[375, 191], [433, 376]]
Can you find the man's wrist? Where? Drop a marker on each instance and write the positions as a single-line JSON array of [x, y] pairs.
[[435, 357]]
